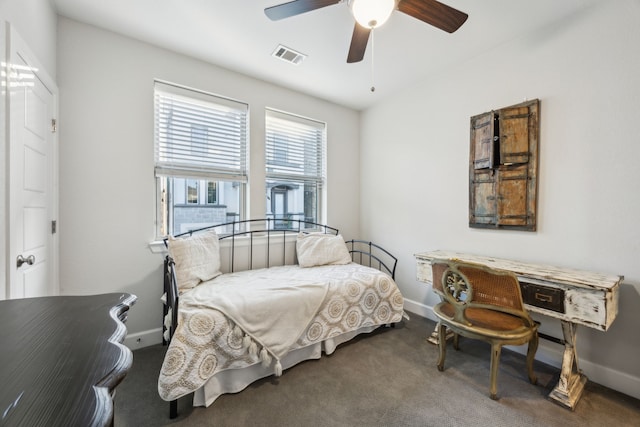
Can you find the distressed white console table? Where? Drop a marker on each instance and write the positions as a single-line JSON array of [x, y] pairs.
[[574, 297]]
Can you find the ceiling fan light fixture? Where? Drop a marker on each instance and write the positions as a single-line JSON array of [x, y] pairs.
[[372, 13]]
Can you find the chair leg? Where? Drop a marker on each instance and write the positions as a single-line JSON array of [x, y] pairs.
[[531, 354], [442, 345], [495, 361], [456, 341]]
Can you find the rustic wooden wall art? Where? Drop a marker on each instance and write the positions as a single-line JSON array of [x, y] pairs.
[[503, 167]]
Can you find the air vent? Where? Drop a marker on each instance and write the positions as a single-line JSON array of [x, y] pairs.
[[289, 55]]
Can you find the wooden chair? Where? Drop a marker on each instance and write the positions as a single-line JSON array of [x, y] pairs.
[[481, 303]]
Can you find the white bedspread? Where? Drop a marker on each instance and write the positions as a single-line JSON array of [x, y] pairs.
[[227, 322], [272, 306]]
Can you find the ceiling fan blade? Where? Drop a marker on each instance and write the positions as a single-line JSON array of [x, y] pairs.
[[435, 13], [359, 42], [296, 7]]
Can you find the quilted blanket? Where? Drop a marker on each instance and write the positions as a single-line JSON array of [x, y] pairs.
[[257, 316]]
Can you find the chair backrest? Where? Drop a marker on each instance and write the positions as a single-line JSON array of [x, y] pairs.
[[466, 285], [438, 268], [494, 287]]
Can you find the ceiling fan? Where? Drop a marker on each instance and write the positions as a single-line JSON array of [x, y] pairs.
[[370, 14]]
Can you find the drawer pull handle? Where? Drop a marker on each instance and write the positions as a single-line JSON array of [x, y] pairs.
[[543, 297]]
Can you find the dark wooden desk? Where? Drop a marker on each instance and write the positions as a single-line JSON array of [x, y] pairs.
[[61, 358]]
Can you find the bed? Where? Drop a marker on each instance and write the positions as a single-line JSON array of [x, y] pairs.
[[248, 299]]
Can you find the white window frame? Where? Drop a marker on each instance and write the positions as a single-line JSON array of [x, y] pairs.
[[299, 157], [221, 155]]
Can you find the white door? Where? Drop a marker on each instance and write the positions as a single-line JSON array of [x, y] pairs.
[[31, 263]]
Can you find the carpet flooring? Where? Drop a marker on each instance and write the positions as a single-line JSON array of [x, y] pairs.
[[386, 378]]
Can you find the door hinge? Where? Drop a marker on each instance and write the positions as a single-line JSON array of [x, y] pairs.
[[54, 226], [54, 125]]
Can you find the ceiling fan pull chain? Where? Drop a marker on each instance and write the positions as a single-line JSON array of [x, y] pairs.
[[373, 87]]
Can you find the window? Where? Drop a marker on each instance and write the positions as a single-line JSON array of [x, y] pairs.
[[200, 158], [212, 196], [295, 169], [192, 191]]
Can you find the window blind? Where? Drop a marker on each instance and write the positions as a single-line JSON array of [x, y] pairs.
[[294, 148], [199, 135]]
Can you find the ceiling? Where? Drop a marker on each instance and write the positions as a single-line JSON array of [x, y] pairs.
[[237, 35]]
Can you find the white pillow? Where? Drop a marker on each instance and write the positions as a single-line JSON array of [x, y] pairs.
[[197, 259], [321, 249]]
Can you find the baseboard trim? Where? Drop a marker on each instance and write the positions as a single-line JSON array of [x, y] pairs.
[[551, 354], [419, 309], [616, 380], [143, 339]]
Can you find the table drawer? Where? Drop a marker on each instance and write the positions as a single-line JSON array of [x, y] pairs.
[[543, 296]]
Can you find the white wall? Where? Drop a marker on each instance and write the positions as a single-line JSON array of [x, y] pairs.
[[35, 22], [585, 71], [107, 187]]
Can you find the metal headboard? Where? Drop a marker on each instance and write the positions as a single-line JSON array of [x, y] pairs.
[[267, 227]]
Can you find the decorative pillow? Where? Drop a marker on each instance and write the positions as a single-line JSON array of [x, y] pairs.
[[321, 249], [197, 259]]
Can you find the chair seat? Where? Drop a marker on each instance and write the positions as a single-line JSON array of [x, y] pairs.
[[489, 323]]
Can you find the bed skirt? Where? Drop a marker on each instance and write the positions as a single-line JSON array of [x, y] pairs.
[[236, 380]]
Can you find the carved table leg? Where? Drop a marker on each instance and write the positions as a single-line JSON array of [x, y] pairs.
[[433, 338], [572, 380]]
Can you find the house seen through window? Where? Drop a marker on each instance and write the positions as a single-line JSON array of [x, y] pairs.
[[295, 168], [200, 159]]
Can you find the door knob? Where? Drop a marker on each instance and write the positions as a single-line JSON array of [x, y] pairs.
[[28, 260]]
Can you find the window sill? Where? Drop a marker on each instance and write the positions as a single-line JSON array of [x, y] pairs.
[[158, 247]]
